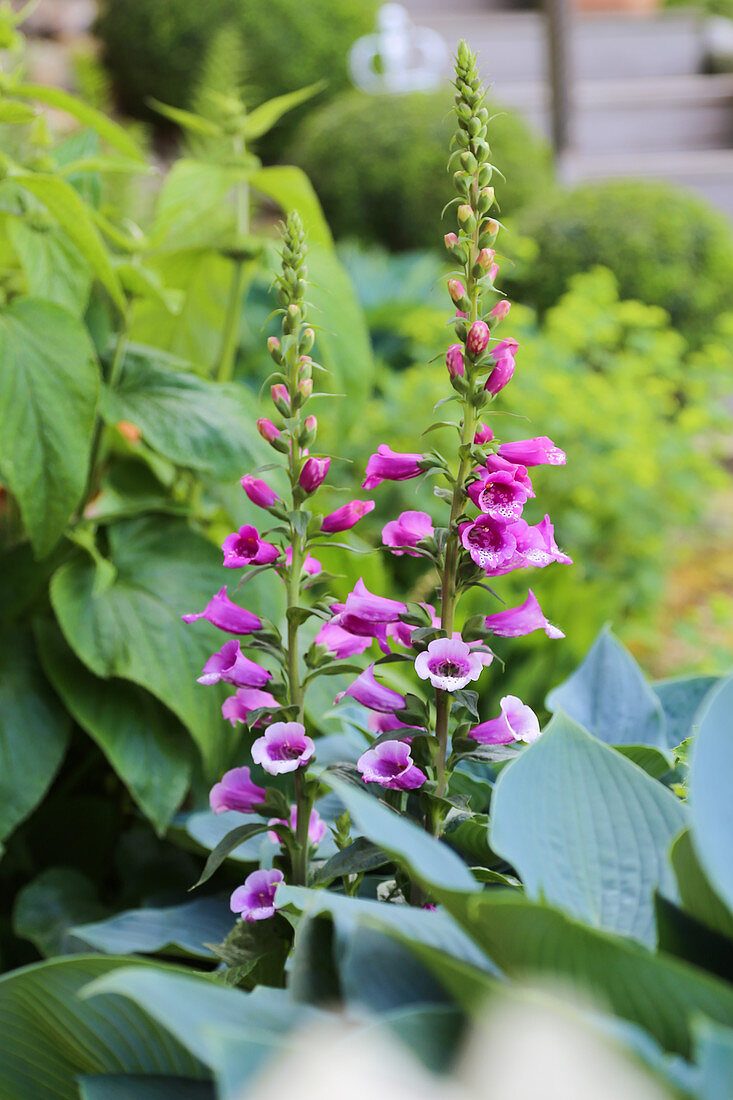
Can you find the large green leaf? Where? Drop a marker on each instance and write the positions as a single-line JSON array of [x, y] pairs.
[[696, 893], [49, 385], [264, 117], [47, 907], [608, 695], [61, 200], [525, 939], [195, 423], [587, 830], [431, 862], [107, 129], [192, 209], [54, 268], [176, 929], [49, 1035], [34, 729], [680, 701], [711, 805], [291, 189], [131, 626], [144, 743]]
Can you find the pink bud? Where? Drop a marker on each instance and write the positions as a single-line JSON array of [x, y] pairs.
[[464, 212], [501, 310], [344, 518], [485, 257], [451, 240], [267, 430], [483, 434], [281, 398], [493, 272], [454, 360], [273, 346], [310, 424], [507, 346], [456, 289], [500, 375], [478, 338], [492, 227], [313, 473], [305, 387], [259, 492]]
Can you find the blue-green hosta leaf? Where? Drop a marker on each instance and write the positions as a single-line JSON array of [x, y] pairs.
[[711, 805], [195, 423], [587, 829], [176, 929], [131, 627], [714, 1058], [681, 699], [34, 729], [609, 696], [49, 1035], [696, 894], [49, 386]]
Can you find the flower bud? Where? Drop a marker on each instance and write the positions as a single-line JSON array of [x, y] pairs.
[[486, 199], [500, 375], [313, 473], [305, 367], [468, 161], [281, 398], [464, 213], [454, 360], [307, 340], [305, 388], [273, 346], [130, 431], [451, 240], [478, 338], [501, 310], [291, 318], [483, 434], [268, 431], [308, 434], [492, 227], [457, 290], [259, 492], [485, 257], [493, 272]]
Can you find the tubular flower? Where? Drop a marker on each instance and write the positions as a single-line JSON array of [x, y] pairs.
[[406, 531], [516, 722], [339, 641], [284, 748], [449, 664], [500, 376], [373, 695], [239, 706], [489, 543], [387, 465], [454, 361], [313, 473], [502, 497], [501, 310], [515, 622], [226, 615], [245, 547], [385, 723], [256, 899], [317, 828], [483, 434], [267, 430], [391, 765], [536, 545], [236, 791], [230, 666], [368, 615], [539, 451], [259, 492], [346, 517]]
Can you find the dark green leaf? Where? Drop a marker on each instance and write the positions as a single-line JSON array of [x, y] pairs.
[[231, 841], [688, 939], [185, 930], [134, 1087], [48, 906], [653, 761], [54, 268], [255, 953], [264, 117], [360, 856]]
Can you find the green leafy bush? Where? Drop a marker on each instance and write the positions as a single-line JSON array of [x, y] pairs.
[[156, 47], [666, 247], [378, 165]]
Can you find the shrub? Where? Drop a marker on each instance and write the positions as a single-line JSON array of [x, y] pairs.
[[155, 47], [665, 247], [378, 164]]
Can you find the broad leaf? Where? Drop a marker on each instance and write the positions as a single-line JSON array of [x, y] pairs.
[[47, 907], [49, 1035], [686, 938], [53, 267], [264, 117], [291, 189], [696, 893], [587, 830], [255, 952], [175, 930], [680, 700], [34, 729], [144, 743], [107, 129], [48, 394], [197, 424], [192, 209], [714, 1056], [608, 695], [227, 845], [711, 805], [129, 1087], [132, 627]]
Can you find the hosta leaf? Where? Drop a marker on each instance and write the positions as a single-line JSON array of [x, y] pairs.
[[132, 628], [48, 394], [144, 743], [34, 729], [586, 829], [680, 700], [174, 930], [609, 696], [696, 893], [193, 422], [711, 806]]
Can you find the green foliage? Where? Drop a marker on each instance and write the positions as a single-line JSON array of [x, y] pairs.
[[666, 247], [378, 165]]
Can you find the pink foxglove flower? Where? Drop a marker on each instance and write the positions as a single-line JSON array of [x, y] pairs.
[[230, 666], [239, 706], [385, 723], [456, 289], [387, 465], [284, 748], [516, 722], [317, 827], [267, 430], [259, 492], [346, 517], [449, 664], [313, 473], [245, 547], [489, 543], [236, 791], [391, 765], [227, 615], [368, 615], [536, 545], [483, 434], [256, 899], [502, 497], [507, 346], [406, 531], [477, 340], [533, 452], [500, 376], [501, 310], [367, 691], [515, 622], [339, 641], [454, 361]]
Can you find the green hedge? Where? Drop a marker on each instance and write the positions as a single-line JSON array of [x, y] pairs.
[[378, 164], [665, 246]]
